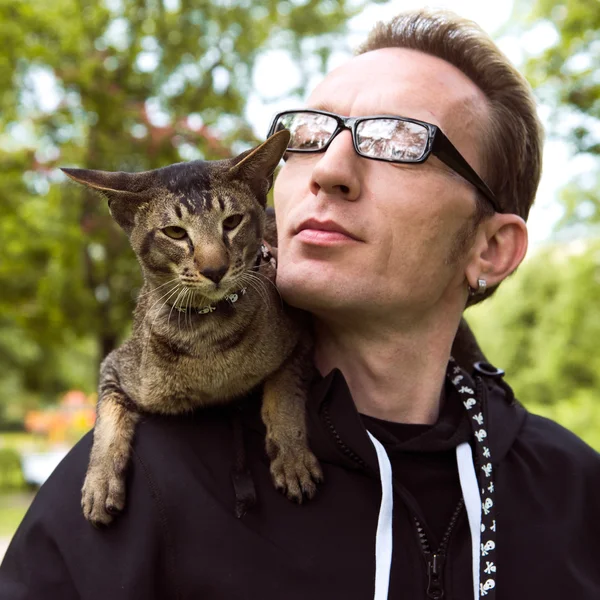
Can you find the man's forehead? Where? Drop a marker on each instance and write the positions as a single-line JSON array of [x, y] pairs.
[[403, 82]]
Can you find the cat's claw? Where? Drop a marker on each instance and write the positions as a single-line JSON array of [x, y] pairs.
[[102, 496], [296, 474]]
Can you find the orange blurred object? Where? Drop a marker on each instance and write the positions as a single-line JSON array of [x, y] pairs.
[[74, 415]]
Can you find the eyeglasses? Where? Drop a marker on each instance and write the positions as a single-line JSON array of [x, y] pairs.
[[380, 137]]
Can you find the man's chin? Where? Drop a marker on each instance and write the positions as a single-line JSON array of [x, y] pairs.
[[313, 294]]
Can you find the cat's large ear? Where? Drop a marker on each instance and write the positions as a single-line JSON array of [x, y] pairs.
[[124, 191], [257, 166]]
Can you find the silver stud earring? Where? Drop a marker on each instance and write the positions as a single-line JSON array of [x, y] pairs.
[[481, 287]]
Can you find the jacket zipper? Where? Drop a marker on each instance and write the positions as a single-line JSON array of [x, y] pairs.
[[436, 560], [338, 440]]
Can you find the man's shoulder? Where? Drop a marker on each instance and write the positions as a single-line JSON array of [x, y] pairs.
[[550, 441]]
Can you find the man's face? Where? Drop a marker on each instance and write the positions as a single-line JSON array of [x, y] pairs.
[[405, 220]]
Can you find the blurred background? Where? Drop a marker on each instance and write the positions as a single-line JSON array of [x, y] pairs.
[[136, 85]]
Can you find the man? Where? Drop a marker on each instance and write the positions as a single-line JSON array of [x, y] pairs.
[[436, 485]]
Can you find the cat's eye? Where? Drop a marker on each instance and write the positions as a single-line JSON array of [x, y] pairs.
[[232, 222], [177, 233]]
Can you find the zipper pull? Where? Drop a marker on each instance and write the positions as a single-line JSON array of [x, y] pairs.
[[435, 572]]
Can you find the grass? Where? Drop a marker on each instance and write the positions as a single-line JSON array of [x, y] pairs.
[[22, 441], [10, 519], [14, 504], [12, 510]]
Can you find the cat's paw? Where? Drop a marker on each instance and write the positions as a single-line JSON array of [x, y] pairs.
[[296, 473], [102, 495]]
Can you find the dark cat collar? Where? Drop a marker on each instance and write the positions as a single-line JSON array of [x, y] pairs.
[[264, 255]]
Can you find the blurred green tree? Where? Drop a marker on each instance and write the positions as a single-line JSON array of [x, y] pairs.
[[543, 324], [566, 78], [542, 327], [115, 85]]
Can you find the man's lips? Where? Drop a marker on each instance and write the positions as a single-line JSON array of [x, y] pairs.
[[323, 230]]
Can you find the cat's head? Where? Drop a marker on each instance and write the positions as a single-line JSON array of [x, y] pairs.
[[200, 221]]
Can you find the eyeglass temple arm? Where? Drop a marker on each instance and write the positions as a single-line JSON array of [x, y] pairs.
[[447, 153]]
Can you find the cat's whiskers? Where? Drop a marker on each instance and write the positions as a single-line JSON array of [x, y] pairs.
[[190, 304], [158, 287], [245, 281], [257, 285], [187, 313], [157, 301], [185, 293], [255, 274], [181, 294], [169, 295], [182, 291], [262, 265]]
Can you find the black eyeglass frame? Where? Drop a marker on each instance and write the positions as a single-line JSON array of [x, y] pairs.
[[437, 144]]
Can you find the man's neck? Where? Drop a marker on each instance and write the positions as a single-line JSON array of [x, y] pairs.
[[395, 375]]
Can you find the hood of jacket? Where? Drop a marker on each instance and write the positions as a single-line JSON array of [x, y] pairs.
[[338, 435]]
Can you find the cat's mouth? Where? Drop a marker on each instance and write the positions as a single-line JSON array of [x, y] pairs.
[[199, 292]]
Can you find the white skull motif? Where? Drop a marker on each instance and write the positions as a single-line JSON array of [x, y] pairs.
[[208, 309], [487, 505], [487, 469], [490, 567], [487, 586], [480, 435], [470, 403], [489, 546]]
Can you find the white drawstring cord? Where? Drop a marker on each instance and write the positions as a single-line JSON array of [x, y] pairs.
[[383, 538], [472, 498]]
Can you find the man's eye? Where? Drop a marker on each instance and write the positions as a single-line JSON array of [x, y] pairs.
[[314, 143], [177, 233], [231, 222]]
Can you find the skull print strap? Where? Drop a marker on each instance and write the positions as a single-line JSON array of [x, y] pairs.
[[477, 484]]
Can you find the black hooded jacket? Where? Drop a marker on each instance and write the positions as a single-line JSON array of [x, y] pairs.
[[180, 538]]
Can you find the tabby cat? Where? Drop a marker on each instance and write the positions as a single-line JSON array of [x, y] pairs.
[[209, 325]]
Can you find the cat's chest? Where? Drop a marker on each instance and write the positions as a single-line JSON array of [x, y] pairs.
[[177, 374], [188, 382]]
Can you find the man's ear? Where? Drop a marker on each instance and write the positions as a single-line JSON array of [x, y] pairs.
[[257, 166], [500, 247], [124, 191]]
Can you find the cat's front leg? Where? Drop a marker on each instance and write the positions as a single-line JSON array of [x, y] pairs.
[[294, 468], [103, 492]]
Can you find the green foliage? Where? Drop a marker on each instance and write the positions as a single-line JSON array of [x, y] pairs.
[[565, 77], [13, 507], [10, 518], [580, 413], [11, 475], [542, 327], [115, 85], [543, 324]]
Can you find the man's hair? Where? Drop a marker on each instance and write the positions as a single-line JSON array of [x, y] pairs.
[[512, 140]]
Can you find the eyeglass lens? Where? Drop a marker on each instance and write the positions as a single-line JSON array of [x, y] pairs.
[[309, 131], [390, 139]]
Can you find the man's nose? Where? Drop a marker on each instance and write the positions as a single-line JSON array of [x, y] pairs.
[[336, 171]]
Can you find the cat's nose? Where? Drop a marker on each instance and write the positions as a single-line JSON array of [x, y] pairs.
[[215, 274]]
